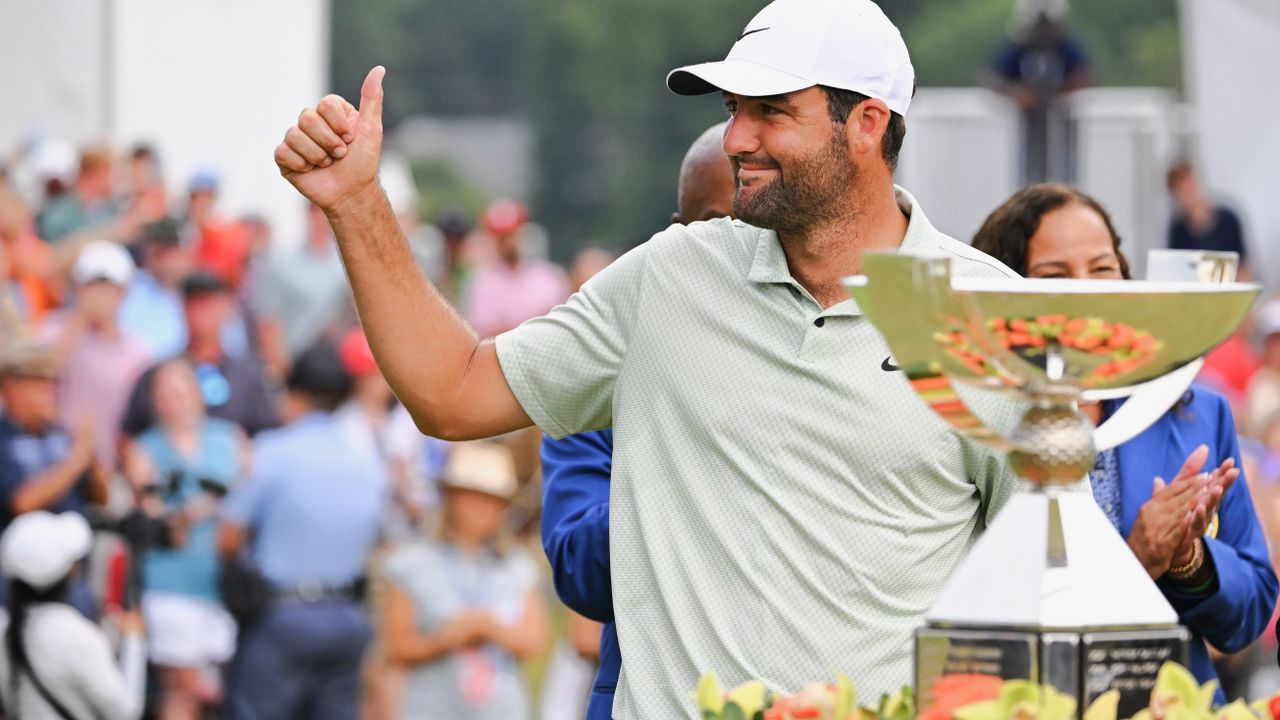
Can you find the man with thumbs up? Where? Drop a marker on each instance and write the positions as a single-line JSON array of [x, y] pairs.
[[780, 504]]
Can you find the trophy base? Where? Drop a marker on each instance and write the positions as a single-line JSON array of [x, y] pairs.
[[1082, 665]]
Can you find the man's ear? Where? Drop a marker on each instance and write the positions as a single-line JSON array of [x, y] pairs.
[[867, 124]]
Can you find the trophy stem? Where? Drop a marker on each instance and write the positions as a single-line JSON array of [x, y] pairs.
[[1054, 443]]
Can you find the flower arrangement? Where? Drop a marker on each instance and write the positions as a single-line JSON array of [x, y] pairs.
[[1176, 696], [1122, 347]]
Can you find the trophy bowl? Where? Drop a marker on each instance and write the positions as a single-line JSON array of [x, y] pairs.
[[1050, 592], [1040, 335]]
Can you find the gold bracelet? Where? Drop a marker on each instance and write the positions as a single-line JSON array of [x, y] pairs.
[[1188, 571]]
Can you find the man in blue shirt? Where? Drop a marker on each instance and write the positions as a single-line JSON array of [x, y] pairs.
[[1040, 64], [575, 470], [42, 466], [310, 514]]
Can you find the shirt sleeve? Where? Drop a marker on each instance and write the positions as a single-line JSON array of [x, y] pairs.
[[114, 691], [575, 520], [1239, 610], [1074, 58], [1007, 63], [563, 366], [402, 565]]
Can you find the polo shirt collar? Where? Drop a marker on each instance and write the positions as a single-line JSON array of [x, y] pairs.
[[769, 266], [770, 263], [921, 234]]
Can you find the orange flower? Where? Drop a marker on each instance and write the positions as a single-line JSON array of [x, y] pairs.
[[956, 691]]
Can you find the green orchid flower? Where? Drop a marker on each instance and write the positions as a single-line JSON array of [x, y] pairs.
[[1177, 696], [1237, 710], [710, 698], [1105, 707], [1021, 700], [898, 706], [745, 702], [749, 698]]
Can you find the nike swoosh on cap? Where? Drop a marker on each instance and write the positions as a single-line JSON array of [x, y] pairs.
[[888, 366], [751, 32]]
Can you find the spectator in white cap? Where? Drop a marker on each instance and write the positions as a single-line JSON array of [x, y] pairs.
[[100, 362], [772, 472], [55, 664], [462, 608], [1262, 398]]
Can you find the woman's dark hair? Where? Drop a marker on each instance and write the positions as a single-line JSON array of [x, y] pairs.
[[21, 597], [1006, 234]]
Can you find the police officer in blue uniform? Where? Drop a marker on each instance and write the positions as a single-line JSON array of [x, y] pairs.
[[308, 517]]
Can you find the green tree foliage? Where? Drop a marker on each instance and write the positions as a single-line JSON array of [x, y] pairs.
[[609, 134], [443, 57], [589, 75]]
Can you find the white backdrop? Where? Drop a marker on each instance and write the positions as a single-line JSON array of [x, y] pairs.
[[1231, 52], [211, 83]]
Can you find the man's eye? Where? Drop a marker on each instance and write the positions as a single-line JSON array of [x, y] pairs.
[[769, 110]]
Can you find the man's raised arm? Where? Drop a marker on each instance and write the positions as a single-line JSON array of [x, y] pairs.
[[450, 382]]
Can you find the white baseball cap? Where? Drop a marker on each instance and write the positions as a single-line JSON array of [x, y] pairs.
[[103, 260], [40, 548], [791, 45]]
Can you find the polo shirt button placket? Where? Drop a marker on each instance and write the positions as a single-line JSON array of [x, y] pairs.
[[819, 322]]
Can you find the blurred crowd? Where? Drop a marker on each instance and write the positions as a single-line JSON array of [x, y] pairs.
[[201, 392]]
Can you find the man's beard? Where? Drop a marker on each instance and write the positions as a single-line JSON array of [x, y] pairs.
[[806, 192]]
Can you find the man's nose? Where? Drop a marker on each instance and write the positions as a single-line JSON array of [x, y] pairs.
[[740, 137]]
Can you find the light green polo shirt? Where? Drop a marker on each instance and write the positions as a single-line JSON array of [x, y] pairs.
[[782, 507]]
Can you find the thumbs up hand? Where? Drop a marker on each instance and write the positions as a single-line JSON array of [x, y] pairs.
[[332, 153]]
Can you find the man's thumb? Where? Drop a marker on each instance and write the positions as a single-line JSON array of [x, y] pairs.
[[371, 99]]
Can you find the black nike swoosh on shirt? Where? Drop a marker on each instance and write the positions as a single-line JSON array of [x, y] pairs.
[[751, 32], [888, 366]]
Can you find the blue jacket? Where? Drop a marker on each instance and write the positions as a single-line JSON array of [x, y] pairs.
[[575, 534], [1236, 610]]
